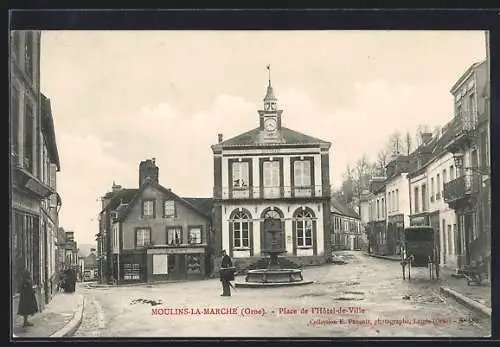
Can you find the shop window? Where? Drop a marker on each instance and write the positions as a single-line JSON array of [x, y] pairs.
[[193, 263], [131, 272]]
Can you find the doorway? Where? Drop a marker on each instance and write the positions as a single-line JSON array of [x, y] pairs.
[[176, 266]]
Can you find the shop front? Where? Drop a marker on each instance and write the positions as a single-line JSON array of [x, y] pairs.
[[176, 263], [395, 226], [380, 238]]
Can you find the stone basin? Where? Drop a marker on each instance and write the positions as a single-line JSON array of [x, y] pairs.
[[273, 278]]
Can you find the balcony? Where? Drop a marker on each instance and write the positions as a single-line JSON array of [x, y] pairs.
[[464, 130], [461, 188], [290, 192]]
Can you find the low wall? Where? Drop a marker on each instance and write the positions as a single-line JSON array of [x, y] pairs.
[[243, 263]]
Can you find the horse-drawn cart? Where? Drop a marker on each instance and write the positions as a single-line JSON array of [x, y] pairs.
[[419, 249]]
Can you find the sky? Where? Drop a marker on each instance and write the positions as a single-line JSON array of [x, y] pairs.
[[119, 97]]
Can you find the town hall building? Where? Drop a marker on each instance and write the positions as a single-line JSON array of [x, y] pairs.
[[271, 171]]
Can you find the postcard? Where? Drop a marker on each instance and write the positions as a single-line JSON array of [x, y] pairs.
[[250, 184]]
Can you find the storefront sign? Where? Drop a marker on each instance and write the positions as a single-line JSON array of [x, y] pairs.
[[177, 250], [25, 203], [419, 221]]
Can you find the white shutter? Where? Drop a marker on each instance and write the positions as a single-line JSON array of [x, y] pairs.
[[236, 174], [267, 174], [160, 264], [244, 174], [297, 173]]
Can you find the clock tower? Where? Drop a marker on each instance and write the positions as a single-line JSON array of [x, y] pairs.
[[270, 116]]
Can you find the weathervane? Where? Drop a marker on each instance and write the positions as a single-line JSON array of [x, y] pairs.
[[269, 71]]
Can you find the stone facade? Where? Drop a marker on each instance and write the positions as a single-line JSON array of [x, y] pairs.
[[272, 171]]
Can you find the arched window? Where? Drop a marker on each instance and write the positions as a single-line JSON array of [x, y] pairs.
[[304, 228], [272, 214], [241, 225]]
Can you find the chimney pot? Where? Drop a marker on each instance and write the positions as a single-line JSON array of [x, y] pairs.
[[221, 137]]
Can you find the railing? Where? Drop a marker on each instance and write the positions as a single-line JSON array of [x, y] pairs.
[[464, 122], [461, 187], [257, 192]]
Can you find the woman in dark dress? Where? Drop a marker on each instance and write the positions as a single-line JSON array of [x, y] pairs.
[[27, 300]]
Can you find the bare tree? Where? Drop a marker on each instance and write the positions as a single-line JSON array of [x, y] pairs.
[[395, 143], [421, 129], [348, 184], [361, 172], [408, 143], [382, 157]]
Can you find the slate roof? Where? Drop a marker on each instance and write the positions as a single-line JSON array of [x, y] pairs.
[[203, 204], [49, 131], [167, 192], [121, 196], [437, 146], [284, 135], [339, 207]]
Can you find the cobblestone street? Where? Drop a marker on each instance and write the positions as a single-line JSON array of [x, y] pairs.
[[372, 289]]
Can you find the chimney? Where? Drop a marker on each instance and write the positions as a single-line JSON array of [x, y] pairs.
[[426, 137], [116, 187], [221, 137], [148, 171]]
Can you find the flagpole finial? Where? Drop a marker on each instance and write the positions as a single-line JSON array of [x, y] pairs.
[[269, 72]]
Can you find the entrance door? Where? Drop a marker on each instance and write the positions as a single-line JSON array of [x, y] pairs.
[[468, 234], [176, 266]]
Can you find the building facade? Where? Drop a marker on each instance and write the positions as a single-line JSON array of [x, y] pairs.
[[397, 199], [34, 163], [157, 235], [272, 171], [70, 250], [346, 232], [112, 201], [469, 193], [49, 208]]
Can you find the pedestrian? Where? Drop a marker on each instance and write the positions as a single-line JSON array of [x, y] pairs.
[[226, 276], [27, 300]]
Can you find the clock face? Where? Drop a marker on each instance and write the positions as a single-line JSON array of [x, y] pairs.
[[270, 124]]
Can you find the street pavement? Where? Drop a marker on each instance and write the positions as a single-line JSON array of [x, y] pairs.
[[376, 301]]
